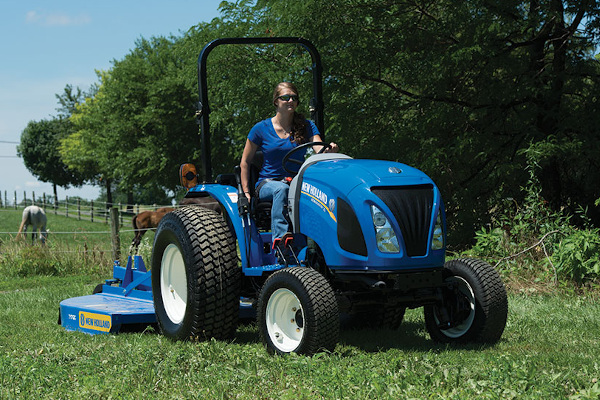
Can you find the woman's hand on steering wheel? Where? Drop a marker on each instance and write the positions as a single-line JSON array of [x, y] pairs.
[[287, 158]]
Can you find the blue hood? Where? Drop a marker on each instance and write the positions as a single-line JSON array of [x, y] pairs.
[[347, 174]]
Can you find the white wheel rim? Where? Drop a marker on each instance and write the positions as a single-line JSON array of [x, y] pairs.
[[285, 320], [462, 328], [173, 283]]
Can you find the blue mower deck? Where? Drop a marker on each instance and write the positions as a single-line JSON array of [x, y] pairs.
[[125, 300]]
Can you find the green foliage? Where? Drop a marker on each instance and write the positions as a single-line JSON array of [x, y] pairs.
[[577, 256], [458, 90], [39, 150], [24, 261], [530, 236]]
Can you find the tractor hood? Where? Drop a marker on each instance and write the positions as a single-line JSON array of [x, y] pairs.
[[345, 174], [331, 200]]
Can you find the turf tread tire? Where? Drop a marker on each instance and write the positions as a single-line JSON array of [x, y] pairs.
[[321, 314], [491, 303], [213, 275]]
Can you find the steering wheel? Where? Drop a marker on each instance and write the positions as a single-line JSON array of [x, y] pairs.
[[287, 158]]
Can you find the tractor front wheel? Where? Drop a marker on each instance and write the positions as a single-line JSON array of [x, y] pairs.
[[195, 276], [298, 312], [474, 306]]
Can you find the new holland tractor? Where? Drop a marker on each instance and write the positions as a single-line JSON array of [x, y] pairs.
[[368, 242]]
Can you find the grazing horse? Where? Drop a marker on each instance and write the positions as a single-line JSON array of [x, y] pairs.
[[34, 215], [144, 221]]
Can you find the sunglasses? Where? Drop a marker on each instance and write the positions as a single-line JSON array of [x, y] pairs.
[[287, 97]]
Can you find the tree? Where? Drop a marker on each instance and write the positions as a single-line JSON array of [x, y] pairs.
[[470, 92], [71, 97], [136, 129], [463, 91], [40, 141]]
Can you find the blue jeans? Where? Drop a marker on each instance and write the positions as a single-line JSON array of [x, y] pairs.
[[277, 192]]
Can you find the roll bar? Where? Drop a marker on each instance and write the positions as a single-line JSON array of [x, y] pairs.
[[316, 103]]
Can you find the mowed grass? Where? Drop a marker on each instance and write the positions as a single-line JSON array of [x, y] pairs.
[[550, 350]]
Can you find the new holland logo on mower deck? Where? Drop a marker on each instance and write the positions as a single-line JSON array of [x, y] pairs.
[[97, 322], [319, 198]]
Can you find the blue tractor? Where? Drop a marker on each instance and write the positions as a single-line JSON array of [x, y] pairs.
[[368, 242]]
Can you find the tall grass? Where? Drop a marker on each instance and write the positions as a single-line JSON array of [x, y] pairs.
[[550, 348], [73, 248]]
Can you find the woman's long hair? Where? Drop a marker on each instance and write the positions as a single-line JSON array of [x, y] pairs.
[[298, 133]]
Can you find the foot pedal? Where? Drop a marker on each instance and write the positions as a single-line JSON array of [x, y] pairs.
[[278, 248], [287, 239], [276, 243]]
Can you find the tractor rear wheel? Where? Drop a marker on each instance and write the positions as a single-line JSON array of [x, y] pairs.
[[195, 276], [475, 305], [298, 312]]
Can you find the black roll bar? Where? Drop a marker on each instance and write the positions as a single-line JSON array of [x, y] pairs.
[[316, 103]]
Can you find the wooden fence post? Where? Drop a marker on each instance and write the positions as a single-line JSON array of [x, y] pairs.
[[92, 210], [78, 209], [114, 229], [67, 206], [15, 200], [33, 198]]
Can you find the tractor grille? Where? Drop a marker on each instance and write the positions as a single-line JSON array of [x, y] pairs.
[[411, 206]]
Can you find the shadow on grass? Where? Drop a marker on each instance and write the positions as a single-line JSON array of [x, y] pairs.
[[410, 336], [407, 337], [247, 332]]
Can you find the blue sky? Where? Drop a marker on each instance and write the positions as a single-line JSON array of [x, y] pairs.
[[45, 45]]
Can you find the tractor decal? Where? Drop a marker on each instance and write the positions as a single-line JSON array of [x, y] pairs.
[[319, 198], [97, 322]]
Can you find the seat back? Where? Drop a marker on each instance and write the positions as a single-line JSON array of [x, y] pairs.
[[259, 210], [255, 167]]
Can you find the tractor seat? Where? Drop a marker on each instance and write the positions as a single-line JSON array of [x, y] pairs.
[[259, 210]]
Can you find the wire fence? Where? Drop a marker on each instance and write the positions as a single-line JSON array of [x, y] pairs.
[[75, 207], [114, 215]]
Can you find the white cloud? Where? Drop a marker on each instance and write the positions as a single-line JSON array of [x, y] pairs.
[[56, 19]]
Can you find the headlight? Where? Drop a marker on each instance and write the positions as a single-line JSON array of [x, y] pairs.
[[437, 242], [387, 242]]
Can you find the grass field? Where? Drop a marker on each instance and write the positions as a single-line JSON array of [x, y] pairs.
[[550, 348]]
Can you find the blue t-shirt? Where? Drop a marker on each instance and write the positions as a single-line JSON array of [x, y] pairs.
[[275, 148]]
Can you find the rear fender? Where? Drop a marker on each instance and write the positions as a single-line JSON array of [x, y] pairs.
[[251, 245]]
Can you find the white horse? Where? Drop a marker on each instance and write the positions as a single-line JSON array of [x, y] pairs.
[[34, 215]]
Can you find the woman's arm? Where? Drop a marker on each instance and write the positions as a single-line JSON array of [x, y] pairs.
[[247, 157], [317, 138]]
